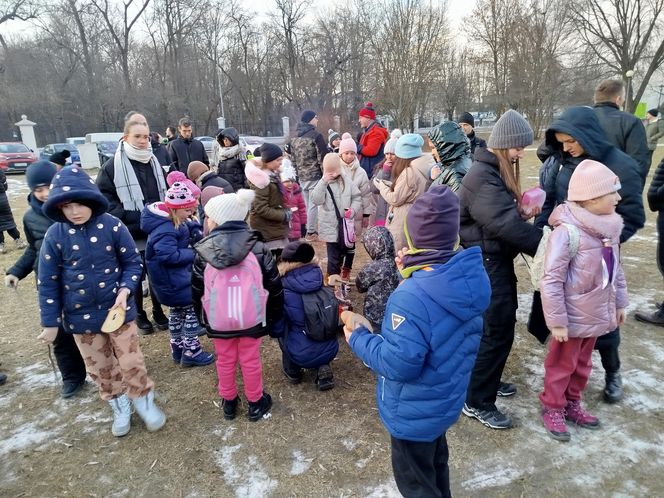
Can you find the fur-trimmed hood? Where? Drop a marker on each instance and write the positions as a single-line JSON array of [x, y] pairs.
[[257, 176], [288, 266]]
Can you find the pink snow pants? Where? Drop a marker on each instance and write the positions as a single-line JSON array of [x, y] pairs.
[[246, 351]]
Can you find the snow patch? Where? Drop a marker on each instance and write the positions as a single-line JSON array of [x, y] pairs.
[[247, 477], [642, 391], [389, 490], [25, 436], [36, 376], [300, 464], [500, 476], [225, 434], [349, 444]]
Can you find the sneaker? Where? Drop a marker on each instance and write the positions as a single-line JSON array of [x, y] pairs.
[[3, 378], [311, 237], [144, 325], [325, 378], [71, 388], [149, 412], [121, 415], [161, 320], [230, 407], [575, 413], [494, 419], [258, 409], [21, 244], [652, 317], [193, 354], [506, 389], [554, 422], [293, 378], [613, 390], [176, 351]]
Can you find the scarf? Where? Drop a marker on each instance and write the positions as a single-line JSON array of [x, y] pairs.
[[417, 259], [603, 226], [229, 152], [126, 184]]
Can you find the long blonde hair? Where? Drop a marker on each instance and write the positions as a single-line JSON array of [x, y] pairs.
[[509, 172]]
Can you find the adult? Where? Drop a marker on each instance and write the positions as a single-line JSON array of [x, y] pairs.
[[60, 158], [186, 148], [410, 179], [136, 117], [231, 158], [307, 151], [654, 130], [159, 150], [371, 142], [577, 135], [467, 122], [492, 219], [622, 129], [171, 133], [451, 150], [129, 181]]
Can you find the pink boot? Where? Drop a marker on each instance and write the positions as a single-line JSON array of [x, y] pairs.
[[554, 421], [576, 414]]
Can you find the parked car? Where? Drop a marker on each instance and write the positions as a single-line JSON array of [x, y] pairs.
[[15, 157], [208, 143], [250, 142], [50, 149], [106, 150]]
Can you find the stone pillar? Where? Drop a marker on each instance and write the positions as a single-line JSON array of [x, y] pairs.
[[337, 124], [27, 132], [221, 122], [416, 123], [285, 125]]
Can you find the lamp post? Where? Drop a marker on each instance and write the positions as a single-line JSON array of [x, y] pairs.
[[628, 99]]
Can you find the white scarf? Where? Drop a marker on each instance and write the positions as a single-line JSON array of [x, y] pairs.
[[124, 177]]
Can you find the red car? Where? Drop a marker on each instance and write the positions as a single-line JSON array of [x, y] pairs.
[[15, 157]]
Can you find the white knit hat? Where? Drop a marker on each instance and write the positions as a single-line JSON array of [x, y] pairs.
[[230, 207], [391, 144]]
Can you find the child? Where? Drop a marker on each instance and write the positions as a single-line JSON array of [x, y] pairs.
[[582, 298], [383, 172], [7, 223], [35, 224], [378, 278], [336, 189], [88, 265], [348, 154], [169, 259], [294, 200], [301, 274], [333, 141], [269, 214], [231, 242], [428, 343]]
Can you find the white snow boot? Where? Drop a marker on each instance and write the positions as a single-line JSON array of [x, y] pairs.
[[121, 415], [153, 417]]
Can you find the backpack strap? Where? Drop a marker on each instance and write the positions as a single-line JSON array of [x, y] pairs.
[[336, 209], [574, 239]]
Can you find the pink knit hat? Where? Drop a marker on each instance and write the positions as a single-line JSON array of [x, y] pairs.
[[347, 144], [591, 179], [178, 196], [179, 176]]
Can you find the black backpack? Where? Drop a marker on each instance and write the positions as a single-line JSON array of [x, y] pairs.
[[321, 314]]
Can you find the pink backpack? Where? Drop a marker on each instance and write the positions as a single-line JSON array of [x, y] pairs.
[[234, 298]]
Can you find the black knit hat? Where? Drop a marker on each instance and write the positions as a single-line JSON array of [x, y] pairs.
[[466, 117], [60, 157], [40, 174], [307, 115], [270, 152], [298, 252], [72, 184], [653, 112]]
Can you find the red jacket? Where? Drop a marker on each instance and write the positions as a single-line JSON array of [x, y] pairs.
[[294, 198], [370, 147]]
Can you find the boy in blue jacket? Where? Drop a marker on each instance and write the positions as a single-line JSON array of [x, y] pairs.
[[89, 265], [429, 339]]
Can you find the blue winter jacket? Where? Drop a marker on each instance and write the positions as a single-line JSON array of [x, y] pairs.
[[168, 256], [81, 268], [427, 347], [298, 279]]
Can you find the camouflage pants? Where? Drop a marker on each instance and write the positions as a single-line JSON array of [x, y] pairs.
[[115, 362]]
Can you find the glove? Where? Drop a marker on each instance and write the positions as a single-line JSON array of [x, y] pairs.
[[288, 215], [387, 167], [349, 214], [48, 334], [11, 281]]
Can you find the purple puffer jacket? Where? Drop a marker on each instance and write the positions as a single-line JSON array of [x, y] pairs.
[[577, 294]]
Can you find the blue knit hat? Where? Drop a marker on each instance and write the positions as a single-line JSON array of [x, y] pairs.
[[40, 174], [409, 146], [72, 184]]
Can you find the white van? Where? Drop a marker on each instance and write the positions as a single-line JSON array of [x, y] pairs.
[[95, 138]]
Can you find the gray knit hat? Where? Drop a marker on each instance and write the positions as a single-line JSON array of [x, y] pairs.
[[511, 131]]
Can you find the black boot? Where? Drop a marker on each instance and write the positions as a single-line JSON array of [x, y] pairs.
[[613, 391], [3, 378], [160, 318], [260, 407], [230, 407], [143, 323], [652, 317]]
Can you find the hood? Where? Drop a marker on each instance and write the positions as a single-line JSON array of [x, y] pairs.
[[301, 277], [72, 184], [258, 177], [450, 141], [35, 204], [304, 128], [582, 124], [227, 245], [484, 155], [352, 166], [423, 164], [378, 243], [379, 130], [153, 215], [229, 133], [460, 286]]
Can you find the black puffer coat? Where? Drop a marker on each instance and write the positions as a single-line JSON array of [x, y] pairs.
[[489, 215], [231, 167], [35, 225], [582, 124], [6, 218], [183, 151], [228, 245], [656, 190]]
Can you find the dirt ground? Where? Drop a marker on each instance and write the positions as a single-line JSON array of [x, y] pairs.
[[329, 444]]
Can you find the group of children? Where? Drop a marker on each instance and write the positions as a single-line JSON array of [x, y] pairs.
[[427, 330]]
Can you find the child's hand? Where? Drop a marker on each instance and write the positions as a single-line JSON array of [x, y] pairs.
[[400, 254], [347, 332], [11, 281], [48, 335], [329, 177], [559, 334], [620, 316], [435, 172], [121, 300]]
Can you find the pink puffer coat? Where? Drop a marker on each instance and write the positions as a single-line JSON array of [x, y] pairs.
[[577, 294]]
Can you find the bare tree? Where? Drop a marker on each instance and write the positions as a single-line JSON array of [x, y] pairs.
[[16, 10]]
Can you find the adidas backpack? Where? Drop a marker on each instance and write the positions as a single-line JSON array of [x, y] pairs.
[[537, 265], [234, 298], [321, 314]]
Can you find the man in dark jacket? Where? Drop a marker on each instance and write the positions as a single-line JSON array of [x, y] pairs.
[[578, 135], [622, 129], [467, 122], [185, 148], [308, 149]]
